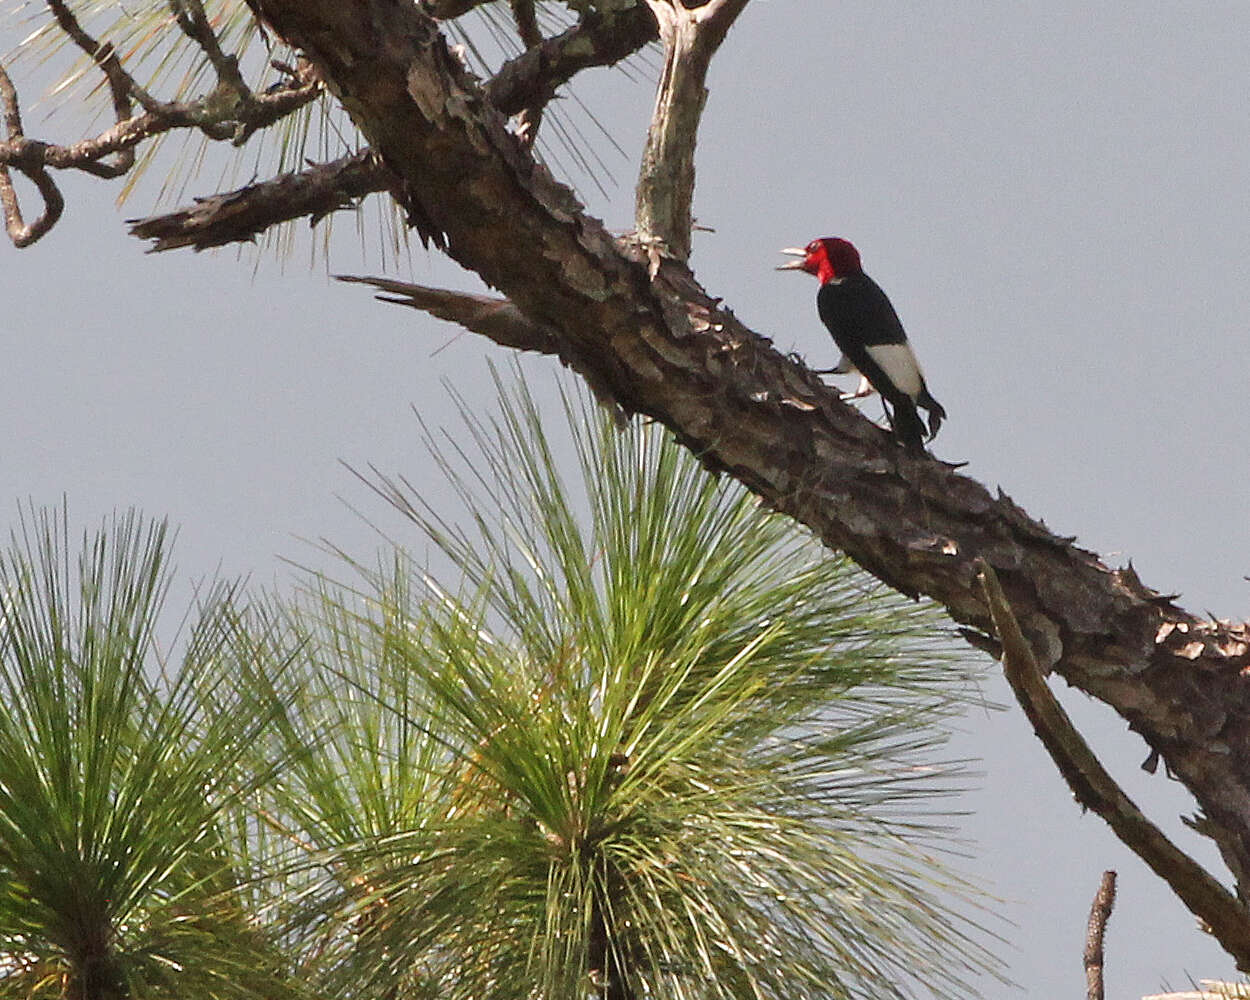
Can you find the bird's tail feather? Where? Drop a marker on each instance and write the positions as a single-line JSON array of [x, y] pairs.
[[936, 411], [907, 426]]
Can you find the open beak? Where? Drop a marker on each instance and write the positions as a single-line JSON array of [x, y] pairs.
[[794, 265]]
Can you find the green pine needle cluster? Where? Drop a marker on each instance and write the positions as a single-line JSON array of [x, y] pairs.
[[652, 742], [115, 879]]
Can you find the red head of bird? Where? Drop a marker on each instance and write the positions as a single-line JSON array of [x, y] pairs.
[[830, 258]]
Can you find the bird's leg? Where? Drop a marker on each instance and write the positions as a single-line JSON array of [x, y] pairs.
[[845, 367]]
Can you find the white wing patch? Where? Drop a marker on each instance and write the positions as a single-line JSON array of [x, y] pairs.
[[900, 366]]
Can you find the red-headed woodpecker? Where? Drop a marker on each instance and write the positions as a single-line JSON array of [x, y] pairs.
[[867, 329]]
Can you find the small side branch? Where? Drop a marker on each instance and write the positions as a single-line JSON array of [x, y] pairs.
[[445, 10], [663, 212], [190, 16], [241, 215], [1099, 914], [497, 319], [524, 85], [494, 318], [598, 39], [1094, 788]]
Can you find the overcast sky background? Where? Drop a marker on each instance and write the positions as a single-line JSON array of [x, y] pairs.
[[1054, 196]]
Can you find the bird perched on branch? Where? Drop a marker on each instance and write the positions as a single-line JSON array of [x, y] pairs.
[[867, 330]]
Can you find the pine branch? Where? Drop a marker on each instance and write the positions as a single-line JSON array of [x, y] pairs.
[[494, 318], [21, 233]]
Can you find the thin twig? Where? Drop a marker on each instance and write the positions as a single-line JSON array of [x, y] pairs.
[[1094, 788], [21, 234], [216, 122], [12, 107], [1099, 914], [122, 85], [194, 24]]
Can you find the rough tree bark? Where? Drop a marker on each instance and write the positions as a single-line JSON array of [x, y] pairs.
[[638, 326]]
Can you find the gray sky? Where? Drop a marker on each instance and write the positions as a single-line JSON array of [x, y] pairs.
[[1054, 197]]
